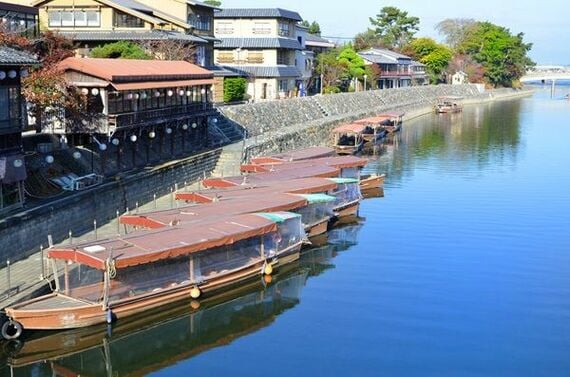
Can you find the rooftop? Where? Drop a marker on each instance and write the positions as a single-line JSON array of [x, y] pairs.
[[127, 70], [130, 35], [264, 71], [254, 42], [384, 56], [11, 56], [258, 13]]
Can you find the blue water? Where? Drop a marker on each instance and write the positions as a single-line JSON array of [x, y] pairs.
[[461, 269]]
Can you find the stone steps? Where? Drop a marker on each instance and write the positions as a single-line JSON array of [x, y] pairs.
[[229, 162]]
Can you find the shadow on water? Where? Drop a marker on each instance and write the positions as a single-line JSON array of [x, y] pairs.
[[144, 344]]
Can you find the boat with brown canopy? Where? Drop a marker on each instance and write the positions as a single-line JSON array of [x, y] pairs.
[[315, 209], [295, 155], [392, 121], [348, 138], [119, 277], [448, 104]]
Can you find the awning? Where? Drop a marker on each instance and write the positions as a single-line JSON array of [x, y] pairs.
[[341, 181], [160, 84], [12, 169], [318, 198], [278, 217]]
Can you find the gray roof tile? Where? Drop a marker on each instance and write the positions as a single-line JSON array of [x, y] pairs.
[[131, 35], [11, 56], [258, 13], [288, 43], [263, 71]]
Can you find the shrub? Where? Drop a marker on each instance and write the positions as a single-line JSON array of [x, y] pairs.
[[234, 89]]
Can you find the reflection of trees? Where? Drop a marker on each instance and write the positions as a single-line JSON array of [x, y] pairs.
[[479, 137]]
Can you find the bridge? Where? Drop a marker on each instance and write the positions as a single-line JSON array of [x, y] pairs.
[[551, 73]]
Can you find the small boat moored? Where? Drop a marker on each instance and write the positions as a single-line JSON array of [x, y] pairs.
[[348, 138], [448, 104]]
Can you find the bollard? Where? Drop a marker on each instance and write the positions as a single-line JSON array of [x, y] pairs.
[[8, 277], [70, 238], [118, 224], [154, 200], [136, 207], [42, 274], [95, 228], [171, 197]]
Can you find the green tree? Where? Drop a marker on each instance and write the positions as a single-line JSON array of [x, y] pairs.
[[331, 70], [355, 66], [314, 27], [502, 55], [215, 3], [234, 89], [454, 30], [435, 56], [120, 50], [395, 27]]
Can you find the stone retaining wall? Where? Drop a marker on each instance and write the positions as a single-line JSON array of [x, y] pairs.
[[22, 234]]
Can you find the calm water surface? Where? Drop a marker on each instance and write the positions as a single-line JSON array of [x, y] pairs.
[[462, 269]]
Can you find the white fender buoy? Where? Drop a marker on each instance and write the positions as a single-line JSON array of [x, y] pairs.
[[195, 292]]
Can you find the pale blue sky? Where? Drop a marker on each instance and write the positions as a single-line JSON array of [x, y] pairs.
[[546, 23]]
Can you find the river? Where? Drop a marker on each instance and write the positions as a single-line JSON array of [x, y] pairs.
[[461, 269]]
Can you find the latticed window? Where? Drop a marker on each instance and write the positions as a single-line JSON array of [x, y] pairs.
[[74, 18], [261, 28], [255, 57], [121, 19], [225, 57], [284, 29]]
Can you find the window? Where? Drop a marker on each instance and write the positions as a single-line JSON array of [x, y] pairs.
[[121, 19], [283, 85], [255, 57], [4, 104], [284, 29], [77, 18], [261, 28], [283, 57], [225, 57], [200, 21], [224, 27]]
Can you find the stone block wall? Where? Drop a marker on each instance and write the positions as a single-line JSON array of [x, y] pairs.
[[22, 234]]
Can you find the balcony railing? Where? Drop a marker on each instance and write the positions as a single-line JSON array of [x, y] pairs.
[[153, 116]]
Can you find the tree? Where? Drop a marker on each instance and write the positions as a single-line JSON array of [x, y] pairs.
[[355, 66], [120, 50], [435, 56], [475, 71], [395, 27], [331, 70], [502, 55], [234, 89], [454, 30], [314, 27], [214, 3], [368, 39], [168, 49]]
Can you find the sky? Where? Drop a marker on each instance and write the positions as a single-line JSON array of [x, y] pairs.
[[545, 23]]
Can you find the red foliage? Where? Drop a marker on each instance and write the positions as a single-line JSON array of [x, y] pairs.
[[475, 71]]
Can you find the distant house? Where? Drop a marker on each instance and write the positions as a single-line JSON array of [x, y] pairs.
[[13, 66], [304, 61], [19, 19], [396, 70], [91, 23], [459, 78], [260, 44], [318, 44]]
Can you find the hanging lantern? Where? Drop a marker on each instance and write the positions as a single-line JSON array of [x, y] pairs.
[[181, 92], [168, 130], [49, 159], [85, 91], [12, 74], [194, 125], [77, 155], [170, 93], [133, 138], [115, 141], [151, 135], [94, 91], [184, 126]]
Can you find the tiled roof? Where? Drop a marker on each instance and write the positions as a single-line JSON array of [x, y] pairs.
[[386, 53], [258, 13], [131, 36], [220, 71], [261, 71], [10, 56], [378, 59], [129, 70], [288, 43], [201, 4], [315, 40]]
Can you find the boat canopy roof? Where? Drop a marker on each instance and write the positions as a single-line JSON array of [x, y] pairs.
[[352, 128], [299, 154], [373, 120], [151, 246], [279, 217], [195, 214], [293, 186], [340, 162], [450, 98], [392, 114], [343, 181], [281, 176], [318, 198]]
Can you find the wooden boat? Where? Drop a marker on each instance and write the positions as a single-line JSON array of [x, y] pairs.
[[315, 210], [371, 181], [375, 130], [116, 278], [348, 138], [175, 333], [348, 197], [392, 121], [296, 155], [448, 104]]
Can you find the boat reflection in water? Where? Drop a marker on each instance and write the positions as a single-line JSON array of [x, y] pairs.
[[145, 344]]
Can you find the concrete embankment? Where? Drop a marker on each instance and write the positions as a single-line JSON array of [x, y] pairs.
[[301, 122]]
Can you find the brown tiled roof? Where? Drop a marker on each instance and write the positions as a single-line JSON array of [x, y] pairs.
[[127, 70]]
